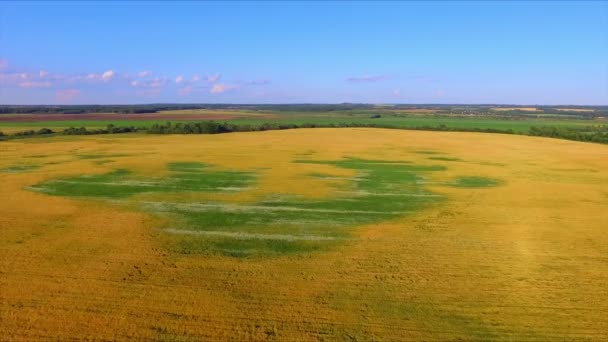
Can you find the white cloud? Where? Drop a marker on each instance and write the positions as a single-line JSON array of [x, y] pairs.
[[196, 78], [14, 78], [43, 73], [143, 73], [220, 88], [150, 84], [156, 83], [397, 92], [91, 77], [179, 79], [214, 78], [106, 76], [257, 82], [3, 64], [35, 84]]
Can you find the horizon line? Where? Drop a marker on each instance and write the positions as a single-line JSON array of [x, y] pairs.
[[305, 104]]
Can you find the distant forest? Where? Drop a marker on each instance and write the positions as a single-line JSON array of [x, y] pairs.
[[594, 111]]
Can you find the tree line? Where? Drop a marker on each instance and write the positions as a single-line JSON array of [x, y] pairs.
[[213, 127], [596, 134]]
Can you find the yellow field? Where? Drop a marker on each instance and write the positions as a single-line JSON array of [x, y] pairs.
[[576, 109], [522, 261]]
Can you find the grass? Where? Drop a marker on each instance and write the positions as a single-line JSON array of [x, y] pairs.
[[101, 156], [381, 190], [392, 121], [445, 158], [474, 182], [19, 168], [122, 183]]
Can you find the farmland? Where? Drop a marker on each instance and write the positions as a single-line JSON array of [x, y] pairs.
[[553, 122], [310, 234]]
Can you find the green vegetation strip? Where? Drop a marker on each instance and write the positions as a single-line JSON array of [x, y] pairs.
[[183, 177], [381, 190], [474, 182], [19, 168], [581, 130]]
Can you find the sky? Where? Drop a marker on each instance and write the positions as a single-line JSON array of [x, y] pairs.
[[304, 52]]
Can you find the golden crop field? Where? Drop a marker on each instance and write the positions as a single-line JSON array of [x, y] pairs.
[[249, 236], [576, 109]]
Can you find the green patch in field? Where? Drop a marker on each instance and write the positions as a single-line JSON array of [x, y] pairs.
[[380, 190], [427, 152], [19, 168], [474, 182], [320, 175], [306, 153], [101, 156], [241, 247], [123, 183], [459, 324], [487, 163], [445, 158]]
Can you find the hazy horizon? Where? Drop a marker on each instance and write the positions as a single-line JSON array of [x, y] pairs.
[[507, 53], [304, 103]]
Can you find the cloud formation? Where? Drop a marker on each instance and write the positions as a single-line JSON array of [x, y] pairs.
[[257, 82], [106, 76], [214, 78], [35, 84], [94, 77], [220, 88], [157, 82], [69, 86]]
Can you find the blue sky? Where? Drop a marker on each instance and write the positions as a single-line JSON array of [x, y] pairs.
[[295, 52]]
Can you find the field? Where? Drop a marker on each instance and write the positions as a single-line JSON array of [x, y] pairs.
[[391, 118], [311, 234], [576, 109], [11, 123]]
